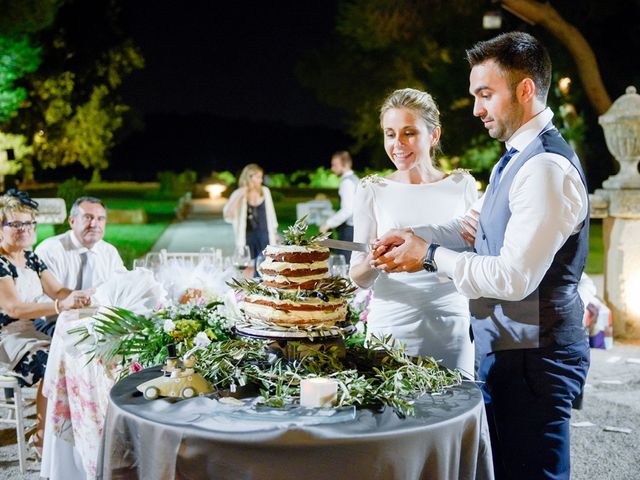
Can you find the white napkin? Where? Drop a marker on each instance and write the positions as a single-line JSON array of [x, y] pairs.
[[137, 291]]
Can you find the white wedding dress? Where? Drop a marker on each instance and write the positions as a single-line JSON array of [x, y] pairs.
[[421, 310]]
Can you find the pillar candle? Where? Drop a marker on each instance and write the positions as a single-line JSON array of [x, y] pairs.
[[318, 392]]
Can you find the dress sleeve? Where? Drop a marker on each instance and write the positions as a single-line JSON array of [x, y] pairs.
[[34, 263], [365, 225], [471, 193], [6, 269]]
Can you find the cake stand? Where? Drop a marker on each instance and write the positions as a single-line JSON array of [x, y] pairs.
[[294, 343]]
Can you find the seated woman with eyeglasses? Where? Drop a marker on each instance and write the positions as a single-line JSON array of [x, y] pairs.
[[23, 278]]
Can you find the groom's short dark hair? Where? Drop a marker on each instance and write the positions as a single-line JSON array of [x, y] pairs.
[[520, 55]]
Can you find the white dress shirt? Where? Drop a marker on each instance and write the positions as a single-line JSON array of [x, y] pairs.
[[62, 254], [347, 192], [548, 203]]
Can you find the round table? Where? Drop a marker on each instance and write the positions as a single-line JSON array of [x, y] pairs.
[[446, 439]]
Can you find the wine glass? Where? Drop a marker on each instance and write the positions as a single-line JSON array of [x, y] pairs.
[[242, 258], [153, 260], [259, 259], [337, 266]]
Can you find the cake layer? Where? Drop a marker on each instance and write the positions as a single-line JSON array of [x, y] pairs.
[[308, 304], [278, 266], [282, 312], [291, 274], [281, 282], [296, 253]]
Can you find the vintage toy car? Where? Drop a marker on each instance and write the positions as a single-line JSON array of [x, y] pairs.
[[178, 381]]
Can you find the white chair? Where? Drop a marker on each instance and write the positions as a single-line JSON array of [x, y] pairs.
[[16, 416]]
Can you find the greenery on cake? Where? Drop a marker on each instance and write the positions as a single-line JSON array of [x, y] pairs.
[[326, 288], [296, 234]]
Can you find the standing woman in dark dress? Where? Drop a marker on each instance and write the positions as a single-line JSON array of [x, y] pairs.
[[23, 279], [250, 210]]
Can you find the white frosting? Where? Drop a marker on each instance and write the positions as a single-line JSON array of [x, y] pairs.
[[280, 249], [275, 315], [292, 280], [307, 301], [270, 264]]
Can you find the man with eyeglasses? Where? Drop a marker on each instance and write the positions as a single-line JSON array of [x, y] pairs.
[[80, 258]]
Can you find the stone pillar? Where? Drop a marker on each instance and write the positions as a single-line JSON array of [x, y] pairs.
[[618, 203]]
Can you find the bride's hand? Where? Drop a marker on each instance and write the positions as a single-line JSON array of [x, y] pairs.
[[469, 226]]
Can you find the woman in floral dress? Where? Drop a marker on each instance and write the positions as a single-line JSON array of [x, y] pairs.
[[24, 278]]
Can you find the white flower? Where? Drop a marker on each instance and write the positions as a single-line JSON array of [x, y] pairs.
[[169, 326], [201, 340]]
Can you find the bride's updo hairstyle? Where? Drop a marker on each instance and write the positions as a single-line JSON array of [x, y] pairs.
[[419, 102]]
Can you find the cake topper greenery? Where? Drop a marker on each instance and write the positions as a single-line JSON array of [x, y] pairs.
[[326, 288], [296, 234]]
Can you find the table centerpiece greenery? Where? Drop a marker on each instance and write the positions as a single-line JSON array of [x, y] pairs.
[[372, 373]]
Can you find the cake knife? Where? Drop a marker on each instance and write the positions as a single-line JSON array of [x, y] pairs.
[[344, 245]]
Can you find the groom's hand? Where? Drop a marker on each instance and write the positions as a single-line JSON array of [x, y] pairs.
[[399, 251]]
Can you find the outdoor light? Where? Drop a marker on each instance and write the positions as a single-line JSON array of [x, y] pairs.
[[215, 189], [564, 84], [492, 20]]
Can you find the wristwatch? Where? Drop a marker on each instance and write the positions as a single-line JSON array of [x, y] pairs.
[[429, 264]]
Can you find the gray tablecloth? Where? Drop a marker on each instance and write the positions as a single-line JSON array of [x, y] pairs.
[[447, 439]]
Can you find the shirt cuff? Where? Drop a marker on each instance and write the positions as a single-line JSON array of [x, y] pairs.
[[445, 260]]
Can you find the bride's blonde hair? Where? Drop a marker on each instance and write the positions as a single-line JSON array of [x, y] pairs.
[[419, 102]]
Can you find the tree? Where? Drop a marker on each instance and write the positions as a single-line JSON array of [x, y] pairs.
[[17, 58], [380, 45], [18, 55], [548, 17], [67, 131], [73, 111], [17, 144]]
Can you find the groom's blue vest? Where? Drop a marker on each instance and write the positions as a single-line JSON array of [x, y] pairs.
[[553, 312]]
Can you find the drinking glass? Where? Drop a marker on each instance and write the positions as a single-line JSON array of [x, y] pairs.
[[153, 260], [338, 266], [242, 258], [212, 256], [259, 260], [138, 263]]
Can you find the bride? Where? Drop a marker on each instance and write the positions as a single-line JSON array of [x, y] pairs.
[[421, 310]]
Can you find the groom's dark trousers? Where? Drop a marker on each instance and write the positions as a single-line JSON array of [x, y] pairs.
[[529, 388]]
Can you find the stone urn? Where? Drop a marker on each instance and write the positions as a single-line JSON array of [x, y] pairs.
[[621, 125]]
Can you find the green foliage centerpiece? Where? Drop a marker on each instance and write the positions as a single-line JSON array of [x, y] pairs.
[[374, 374]]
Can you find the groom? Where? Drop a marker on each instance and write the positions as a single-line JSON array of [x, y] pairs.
[[531, 243]]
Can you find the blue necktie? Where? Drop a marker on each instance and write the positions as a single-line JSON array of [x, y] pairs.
[[502, 163]]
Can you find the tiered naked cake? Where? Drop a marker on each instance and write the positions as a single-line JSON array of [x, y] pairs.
[[295, 289]]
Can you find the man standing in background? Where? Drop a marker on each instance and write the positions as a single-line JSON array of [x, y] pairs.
[[342, 220]]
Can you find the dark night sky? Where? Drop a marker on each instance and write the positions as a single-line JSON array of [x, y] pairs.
[[232, 59]]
